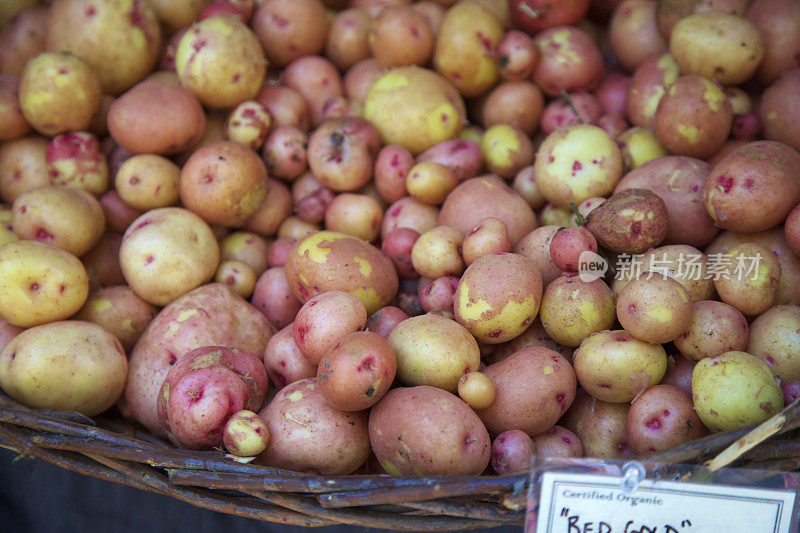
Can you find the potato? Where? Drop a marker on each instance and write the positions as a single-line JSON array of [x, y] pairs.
[[648, 86], [568, 59], [629, 222], [245, 434], [654, 308], [573, 309], [431, 107], [238, 276], [341, 152], [76, 161], [221, 61], [693, 118], [357, 372], [425, 431], [778, 21], [23, 166], [535, 386], [288, 29], [662, 417], [211, 315], [490, 236], [204, 389], [318, 80], [324, 320], [779, 110], [638, 146], [774, 339], [433, 350], [308, 435], [678, 180], [166, 253], [498, 297], [759, 173], [274, 208], [748, 278], [465, 44], [613, 366], [22, 37], [575, 163], [633, 33], [506, 150], [516, 103], [734, 390], [400, 36], [568, 245], [536, 247], [67, 366], [156, 117], [408, 212], [599, 425], [327, 260], [358, 215], [58, 92], [119, 40], [284, 361], [511, 452], [679, 373], [487, 196], [120, 312], [13, 123], [462, 156], [557, 442], [224, 183], [722, 46], [715, 328], [39, 283]]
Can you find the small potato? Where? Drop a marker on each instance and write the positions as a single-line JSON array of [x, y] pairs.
[[462, 156], [511, 452], [630, 222], [599, 425], [224, 183], [166, 253], [654, 308], [354, 214], [487, 196], [284, 361], [308, 435], [535, 386], [506, 150], [384, 320], [438, 294], [248, 124], [518, 55], [662, 417], [274, 298], [324, 320], [102, 262], [778, 110], [66, 366], [433, 350], [774, 339], [245, 434], [613, 366], [476, 389], [648, 86], [568, 245], [39, 283], [430, 182], [573, 309], [569, 110], [575, 163], [568, 59], [156, 117], [246, 247], [638, 146], [68, 218], [398, 245], [525, 185], [734, 390], [498, 297], [348, 32], [357, 372], [488, 237], [119, 215], [76, 161], [557, 442], [23, 166], [425, 431], [148, 182], [341, 153], [238, 276], [516, 103], [715, 328], [750, 281], [288, 29], [274, 208], [221, 61], [58, 92], [13, 124], [633, 33], [400, 36], [22, 37], [317, 80], [286, 106], [535, 335], [435, 253], [389, 174], [120, 312], [722, 46], [679, 373], [408, 212]]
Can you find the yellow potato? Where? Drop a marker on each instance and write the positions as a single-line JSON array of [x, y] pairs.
[[40, 283]]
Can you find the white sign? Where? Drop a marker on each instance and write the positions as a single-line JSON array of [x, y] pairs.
[[584, 503]]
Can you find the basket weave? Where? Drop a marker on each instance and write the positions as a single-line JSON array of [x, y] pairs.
[[117, 450]]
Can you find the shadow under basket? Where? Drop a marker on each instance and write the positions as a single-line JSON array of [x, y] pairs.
[[118, 450]]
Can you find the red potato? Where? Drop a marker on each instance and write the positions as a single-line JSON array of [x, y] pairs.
[[12, 122], [438, 294], [633, 33], [567, 246], [283, 360], [119, 215], [23, 166], [341, 153], [358, 79], [120, 312], [273, 297], [516, 103], [559, 113], [557, 442], [323, 320], [385, 319], [612, 93], [346, 43], [22, 38], [317, 80], [102, 262], [534, 16], [286, 106], [76, 160], [568, 60], [462, 156], [660, 418], [289, 29], [245, 434], [400, 36], [390, 169], [511, 452], [517, 55], [204, 389], [408, 212]]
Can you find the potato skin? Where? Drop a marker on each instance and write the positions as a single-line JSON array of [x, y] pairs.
[[327, 260], [534, 387], [39, 283], [425, 431], [68, 366], [498, 297], [211, 315], [308, 435]]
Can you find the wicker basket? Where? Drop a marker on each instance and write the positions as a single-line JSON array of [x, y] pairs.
[[117, 450]]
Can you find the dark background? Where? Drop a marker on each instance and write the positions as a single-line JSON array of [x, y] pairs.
[[37, 497]]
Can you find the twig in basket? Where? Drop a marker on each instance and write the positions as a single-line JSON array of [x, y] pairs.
[[468, 509]]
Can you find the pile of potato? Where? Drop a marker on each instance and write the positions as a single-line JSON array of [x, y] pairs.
[[352, 236]]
